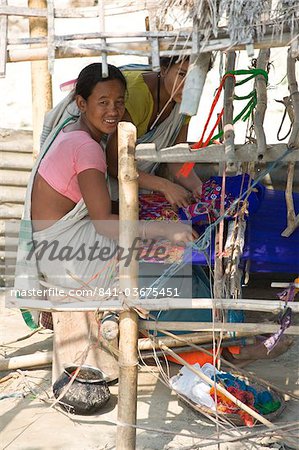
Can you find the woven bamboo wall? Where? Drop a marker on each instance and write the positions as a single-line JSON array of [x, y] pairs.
[[16, 161]]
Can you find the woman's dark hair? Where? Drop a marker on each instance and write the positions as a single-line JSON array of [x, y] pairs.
[[92, 74], [168, 62]]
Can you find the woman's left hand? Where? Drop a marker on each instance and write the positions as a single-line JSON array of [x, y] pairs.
[[196, 193]]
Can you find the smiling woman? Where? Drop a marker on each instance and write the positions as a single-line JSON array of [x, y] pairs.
[[76, 158], [68, 203]]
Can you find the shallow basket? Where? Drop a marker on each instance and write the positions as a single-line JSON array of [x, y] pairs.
[[235, 418]]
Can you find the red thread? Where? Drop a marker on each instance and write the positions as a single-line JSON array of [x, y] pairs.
[[187, 167]]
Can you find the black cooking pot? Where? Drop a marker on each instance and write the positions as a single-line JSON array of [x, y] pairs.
[[88, 392]]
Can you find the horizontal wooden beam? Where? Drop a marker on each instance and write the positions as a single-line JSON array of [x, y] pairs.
[[212, 153], [204, 326], [104, 35], [163, 304], [87, 12]]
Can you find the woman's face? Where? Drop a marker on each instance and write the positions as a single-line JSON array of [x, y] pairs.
[[174, 78], [105, 107]]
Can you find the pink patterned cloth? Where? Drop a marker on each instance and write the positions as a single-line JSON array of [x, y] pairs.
[[156, 207]]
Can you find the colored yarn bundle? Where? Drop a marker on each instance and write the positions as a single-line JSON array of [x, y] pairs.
[[260, 401]]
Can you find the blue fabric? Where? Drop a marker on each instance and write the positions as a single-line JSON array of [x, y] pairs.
[[267, 250], [238, 185]]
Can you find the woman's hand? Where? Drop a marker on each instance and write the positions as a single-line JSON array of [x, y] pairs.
[[179, 233], [175, 194], [196, 193]]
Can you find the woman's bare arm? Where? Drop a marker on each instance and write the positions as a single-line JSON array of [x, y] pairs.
[[175, 194], [96, 197]]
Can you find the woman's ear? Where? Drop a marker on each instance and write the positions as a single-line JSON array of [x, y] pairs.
[[81, 103]]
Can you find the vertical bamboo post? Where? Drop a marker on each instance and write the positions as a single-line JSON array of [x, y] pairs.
[[152, 24], [294, 95], [41, 80], [102, 40], [51, 36], [128, 280], [196, 75], [3, 41], [261, 92], [229, 134], [292, 219]]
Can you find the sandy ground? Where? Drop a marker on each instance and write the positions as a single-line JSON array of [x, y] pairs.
[[29, 423]]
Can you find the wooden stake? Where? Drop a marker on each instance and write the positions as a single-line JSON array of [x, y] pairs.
[[261, 91], [128, 279], [292, 220], [229, 134], [40, 78], [294, 95]]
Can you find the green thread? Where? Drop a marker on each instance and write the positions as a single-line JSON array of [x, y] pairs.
[[252, 96]]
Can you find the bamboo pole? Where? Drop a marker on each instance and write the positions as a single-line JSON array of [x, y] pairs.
[[51, 36], [185, 339], [292, 219], [261, 91], [234, 249], [73, 13], [9, 241], [100, 35], [194, 84], [12, 228], [216, 154], [16, 161], [46, 357], [141, 48], [128, 279], [41, 80], [32, 360], [14, 178], [256, 328], [84, 303], [11, 211], [229, 134], [291, 216], [103, 40], [13, 194]]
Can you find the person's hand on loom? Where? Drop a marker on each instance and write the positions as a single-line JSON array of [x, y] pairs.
[[179, 233], [196, 193], [176, 195]]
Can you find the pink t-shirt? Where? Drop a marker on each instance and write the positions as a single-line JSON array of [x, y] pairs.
[[70, 154]]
